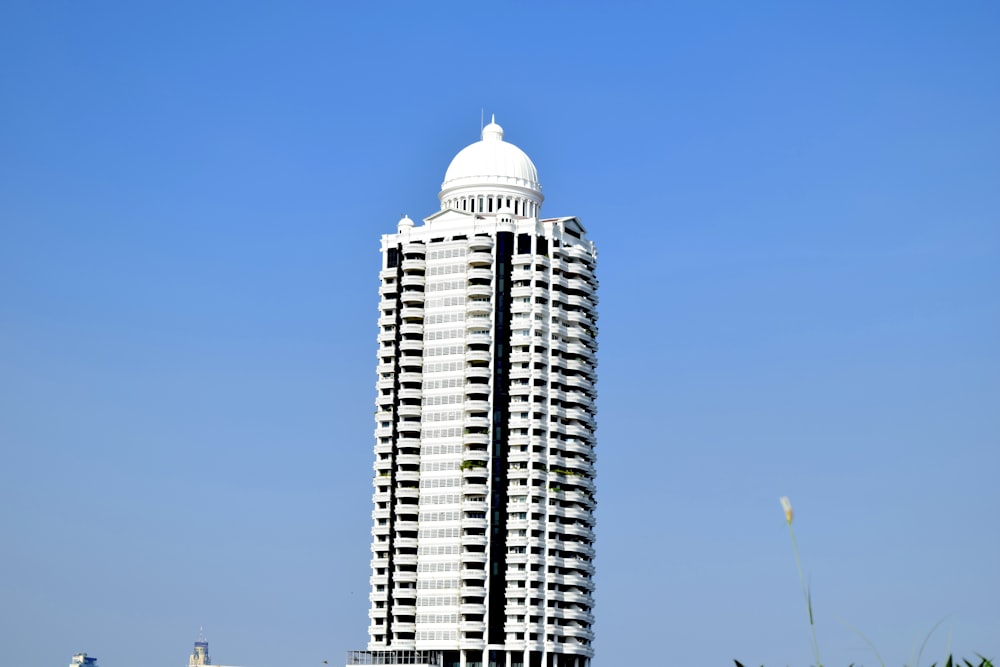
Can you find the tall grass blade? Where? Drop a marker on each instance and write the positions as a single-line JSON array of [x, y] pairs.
[[870, 643], [926, 639]]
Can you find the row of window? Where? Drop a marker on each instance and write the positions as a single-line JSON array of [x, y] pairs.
[[447, 253], [446, 269], [446, 285], [442, 399], [438, 533]]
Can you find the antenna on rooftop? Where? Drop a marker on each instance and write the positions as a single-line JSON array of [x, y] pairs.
[[482, 122]]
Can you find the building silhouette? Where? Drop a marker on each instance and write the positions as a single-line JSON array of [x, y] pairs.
[[482, 538]]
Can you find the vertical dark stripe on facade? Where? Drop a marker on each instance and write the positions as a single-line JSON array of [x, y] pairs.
[[498, 448], [395, 260]]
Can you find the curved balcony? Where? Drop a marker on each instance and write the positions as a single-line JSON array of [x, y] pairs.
[[579, 581], [405, 576], [476, 438], [472, 608], [479, 258], [478, 372], [473, 540], [475, 406], [411, 345], [408, 429], [414, 264], [410, 377], [414, 298], [479, 305], [412, 313], [478, 337], [578, 514], [476, 422], [576, 396], [474, 558], [478, 355], [480, 243], [410, 394], [411, 368], [414, 280], [576, 631], [580, 415], [406, 542], [387, 289], [407, 476], [480, 273], [578, 430], [522, 260], [475, 476], [579, 530], [472, 626], [576, 615], [476, 457], [474, 506], [575, 597], [473, 291], [411, 329], [579, 301], [408, 410], [408, 459], [404, 591], [406, 526], [474, 523], [472, 592]]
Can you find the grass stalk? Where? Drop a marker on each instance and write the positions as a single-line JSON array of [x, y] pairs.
[[787, 506]]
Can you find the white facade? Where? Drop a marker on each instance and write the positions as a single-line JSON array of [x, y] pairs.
[[482, 549]]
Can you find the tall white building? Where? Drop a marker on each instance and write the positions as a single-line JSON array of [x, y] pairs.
[[483, 542]]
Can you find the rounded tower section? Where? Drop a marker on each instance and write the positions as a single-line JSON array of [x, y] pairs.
[[492, 176]]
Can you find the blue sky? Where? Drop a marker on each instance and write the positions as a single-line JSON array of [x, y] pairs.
[[797, 207]]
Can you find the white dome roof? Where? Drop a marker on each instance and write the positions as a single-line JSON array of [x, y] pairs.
[[491, 161]]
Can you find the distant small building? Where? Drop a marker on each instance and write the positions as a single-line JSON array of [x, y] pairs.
[[200, 656], [83, 660]]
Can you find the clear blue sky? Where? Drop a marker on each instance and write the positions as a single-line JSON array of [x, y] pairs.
[[797, 207]]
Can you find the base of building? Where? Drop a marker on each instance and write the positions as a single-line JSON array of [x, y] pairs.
[[465, 658]]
